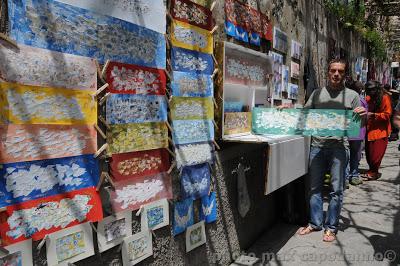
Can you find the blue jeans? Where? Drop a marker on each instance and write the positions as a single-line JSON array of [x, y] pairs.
[[354, 159], [322, 160]]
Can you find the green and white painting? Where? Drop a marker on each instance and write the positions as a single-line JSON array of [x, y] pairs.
[[308, 122]]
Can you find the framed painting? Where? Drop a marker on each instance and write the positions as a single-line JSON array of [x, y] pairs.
[[192, 13], [237, 123], [297, 50], [186, 84], [148, 14], [195, 181], [20, 254], [21, 104], [68, 29], [208, 211], [137, 248], [294, 70], [192, 131], [112, 230], [137, 164], [70, 245], [278, 75], [285, 78], [39, 142], [155, 215], [131, 108], [293, 91], [37, 218], [192, 154], [24, 181], [136, 137], [183, 216], [184, 60], [312, 122], [280, 42], [190, 37], [132, 79], [133, 193], [40, 67], [195, 236], [191, 108]]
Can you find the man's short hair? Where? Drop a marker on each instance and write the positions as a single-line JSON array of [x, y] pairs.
[[338, 60]]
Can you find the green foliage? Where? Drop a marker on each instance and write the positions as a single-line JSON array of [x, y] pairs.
[[352, 15]]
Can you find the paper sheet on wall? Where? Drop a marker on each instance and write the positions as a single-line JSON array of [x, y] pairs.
[[191, 37]]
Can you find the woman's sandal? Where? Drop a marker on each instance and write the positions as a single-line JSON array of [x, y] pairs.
[[329, 236], [305, 230]]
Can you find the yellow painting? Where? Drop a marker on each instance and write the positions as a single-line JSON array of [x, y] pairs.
[[136, 137], [20, 104], [191, 37], [191, 108], [236, 123]]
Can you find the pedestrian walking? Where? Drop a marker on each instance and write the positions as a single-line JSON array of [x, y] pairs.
[[328, 154], [378, 127]]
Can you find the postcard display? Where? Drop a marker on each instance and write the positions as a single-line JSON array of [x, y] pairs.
[[49, 99]]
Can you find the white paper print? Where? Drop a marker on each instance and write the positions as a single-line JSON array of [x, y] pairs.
[[155, 215], [49, 215], [195, 236], [137, 248], [190, 62], [139, 192], [192, 154], [70, 246], [243, 71], [20, 254], [149, 14]]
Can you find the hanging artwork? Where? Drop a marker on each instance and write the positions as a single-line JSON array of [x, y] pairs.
[[191, 108], [183, 216], [138, 164], [132, 193], [112, 230], [285, 78], [136, 137], [38, 142], [208, 211], [293, 91], [310, 122], [191, 61], [63, 28], [236, 123], [195, 181], [187, 84], [130, 108], [278, 76], [280, 42], [136, 248], [37, 218], [297, 50], [245, 66], [191, 154], [20, 254], [70, 245], [155, 215], [195, 236], [40, 67], [192, 13], [148, 14], [294, 70], [21, 104], [191, 37], [24, 181], [132, 79], [192, 131]]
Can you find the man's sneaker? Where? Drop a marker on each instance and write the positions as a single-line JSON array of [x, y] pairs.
[[356, 181]]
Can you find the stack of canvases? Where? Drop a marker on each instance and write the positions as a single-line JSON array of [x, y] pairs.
[[192, 114]]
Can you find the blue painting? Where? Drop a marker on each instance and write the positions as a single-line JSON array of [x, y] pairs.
[[183, 216], [60, 27], [155, 216], [192, 131], [186, 84], [134, 108], [208, 211], [255, 38], [191, 61], [195, 181], [231, 107], [25, 181], [237, 32]]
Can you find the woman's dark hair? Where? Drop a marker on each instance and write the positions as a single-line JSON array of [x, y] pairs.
[[378, 96]]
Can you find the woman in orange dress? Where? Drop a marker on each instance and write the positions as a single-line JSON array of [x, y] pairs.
[[378, 127]]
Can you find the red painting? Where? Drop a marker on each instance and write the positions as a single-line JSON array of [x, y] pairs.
[[192, 13], [138, 164], [131, 194], [37, 218], [132, 79]]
